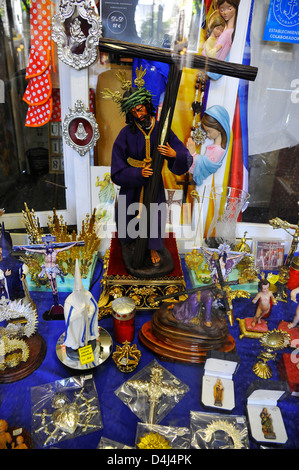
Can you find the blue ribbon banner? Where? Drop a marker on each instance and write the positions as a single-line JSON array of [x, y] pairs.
[[282, 23]]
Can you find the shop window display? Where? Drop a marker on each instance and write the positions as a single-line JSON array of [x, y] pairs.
[[188, 425]]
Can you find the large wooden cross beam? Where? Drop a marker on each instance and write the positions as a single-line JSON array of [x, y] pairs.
[[176, 61], [170, 56]]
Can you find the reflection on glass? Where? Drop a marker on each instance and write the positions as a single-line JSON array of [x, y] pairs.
[[31, 159]]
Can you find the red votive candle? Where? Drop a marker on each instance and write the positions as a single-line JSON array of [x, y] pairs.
[[123, 312], [293, 281]]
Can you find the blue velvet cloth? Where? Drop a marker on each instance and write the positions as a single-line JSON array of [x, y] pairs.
[[119, 423]]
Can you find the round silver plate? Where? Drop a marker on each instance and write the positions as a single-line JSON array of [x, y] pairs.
[[101, 352]]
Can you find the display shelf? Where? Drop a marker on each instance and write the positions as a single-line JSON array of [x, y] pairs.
[[119, 423]]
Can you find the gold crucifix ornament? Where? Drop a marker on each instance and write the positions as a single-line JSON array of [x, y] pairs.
[[152, 392]]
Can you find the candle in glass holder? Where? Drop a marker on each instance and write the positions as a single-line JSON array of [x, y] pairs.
[[293, 281], [123, 313]]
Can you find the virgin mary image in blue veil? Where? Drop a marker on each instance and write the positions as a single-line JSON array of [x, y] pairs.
[[216, 124]]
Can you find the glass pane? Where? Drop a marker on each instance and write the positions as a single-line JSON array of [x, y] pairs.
[[273, 117], [31, 159]]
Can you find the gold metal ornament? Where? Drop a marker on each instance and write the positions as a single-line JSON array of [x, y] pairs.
[[154, 389], [7, 346], [153, 441], [126, 357], [58, 228], [272, 341]]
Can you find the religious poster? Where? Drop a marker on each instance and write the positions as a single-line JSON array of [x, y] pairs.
[[269, 255], [282, 24], [103, 197]]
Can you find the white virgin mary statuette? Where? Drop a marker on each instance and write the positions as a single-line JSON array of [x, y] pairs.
[[81, 133]]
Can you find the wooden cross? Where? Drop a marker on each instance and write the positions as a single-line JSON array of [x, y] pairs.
[[176, 62]]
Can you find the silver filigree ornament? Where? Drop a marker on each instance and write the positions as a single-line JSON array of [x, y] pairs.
[[77, 29], [80, 129], [11, 310]]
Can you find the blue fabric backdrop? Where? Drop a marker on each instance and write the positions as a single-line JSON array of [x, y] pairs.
[[119, 423]]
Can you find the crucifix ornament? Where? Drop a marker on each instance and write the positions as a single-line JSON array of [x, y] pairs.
[[152, 393], [76, 29], [155, 389]]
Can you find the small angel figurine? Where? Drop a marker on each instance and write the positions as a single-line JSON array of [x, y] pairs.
[[5, 437], [264, 300]]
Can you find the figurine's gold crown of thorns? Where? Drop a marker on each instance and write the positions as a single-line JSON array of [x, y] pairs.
[[129, 100]]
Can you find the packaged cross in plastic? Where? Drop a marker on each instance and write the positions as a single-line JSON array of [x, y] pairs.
[[152, 393], [64, 409], [106, 443], [218, 431]]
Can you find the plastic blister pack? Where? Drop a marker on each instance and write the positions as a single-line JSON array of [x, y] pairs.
[[154, 436], [215, 431], [106, 443], [152, 393], [64, 409]]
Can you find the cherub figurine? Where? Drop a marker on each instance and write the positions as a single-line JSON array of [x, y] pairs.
[[20, 443], [5, 437], [216, 25], [264, 300], [295, 321]]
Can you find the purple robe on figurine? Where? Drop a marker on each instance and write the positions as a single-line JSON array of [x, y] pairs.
[[129, 178]]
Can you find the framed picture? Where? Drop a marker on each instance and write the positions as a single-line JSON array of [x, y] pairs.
[[269, 255]]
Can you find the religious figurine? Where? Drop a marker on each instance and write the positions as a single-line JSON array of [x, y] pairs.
[[228, 9], [81, 318], [216, 124], [50, 269], [295, 321], [218, 393], [264, 300], [267, 425], [132, 170], [216, 25], [5, 437], [20, 443], [13, 272], [188, 310]]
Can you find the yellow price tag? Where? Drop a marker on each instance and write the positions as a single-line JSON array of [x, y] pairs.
[[86, 354]]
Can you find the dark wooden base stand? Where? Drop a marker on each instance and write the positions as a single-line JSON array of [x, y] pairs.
[[37, 352], [174, 343]]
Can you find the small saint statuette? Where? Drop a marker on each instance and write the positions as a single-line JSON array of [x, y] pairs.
[[218, 393], [267, 424], [81, 133]]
